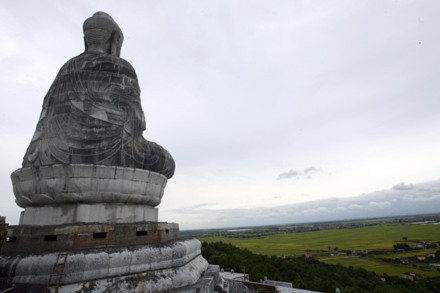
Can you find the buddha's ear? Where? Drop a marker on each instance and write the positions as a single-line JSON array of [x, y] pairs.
[[85, 45], [115, 46]]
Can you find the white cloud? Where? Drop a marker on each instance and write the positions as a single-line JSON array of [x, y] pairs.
[[403, 186], [385, 204], [289, 174], [417, 197], [307, 173], [355, 206], [311, 170]]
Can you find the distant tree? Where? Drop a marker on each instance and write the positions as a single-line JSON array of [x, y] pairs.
[[329, 247], [431, 245], [403, 246], [335, 249]]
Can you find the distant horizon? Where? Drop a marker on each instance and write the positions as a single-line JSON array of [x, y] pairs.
[[399, 201], [306, 223], [402, 199]]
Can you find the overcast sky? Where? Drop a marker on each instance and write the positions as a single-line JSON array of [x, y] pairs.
[[263, 104]]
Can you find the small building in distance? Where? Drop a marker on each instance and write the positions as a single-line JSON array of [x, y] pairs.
[[421, 257], [420, 245], [409, 276], [382, 278], [403, 259]]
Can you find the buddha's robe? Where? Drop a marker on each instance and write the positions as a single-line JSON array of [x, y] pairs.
[[92, 114]]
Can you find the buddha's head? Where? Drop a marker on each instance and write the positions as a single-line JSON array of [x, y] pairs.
[[102, 34]]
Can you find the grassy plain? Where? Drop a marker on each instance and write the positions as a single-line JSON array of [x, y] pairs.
[[409, 253], [371, 237], [378, 237], [379, 267]]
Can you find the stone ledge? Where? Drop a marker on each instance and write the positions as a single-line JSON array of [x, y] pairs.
[[187, 276], [210, 281], [38, 239], [158, 267]]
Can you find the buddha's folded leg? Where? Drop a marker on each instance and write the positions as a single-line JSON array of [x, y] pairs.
[[163, 163]]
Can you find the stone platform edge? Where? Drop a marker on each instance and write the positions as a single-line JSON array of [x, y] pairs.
[[156, 267], [37, 239], [81, 183]]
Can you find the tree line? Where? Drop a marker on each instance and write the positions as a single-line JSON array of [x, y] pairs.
[[309, 274]]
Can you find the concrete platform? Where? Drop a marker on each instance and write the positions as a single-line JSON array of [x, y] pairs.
[[88, 213], [144, 268]]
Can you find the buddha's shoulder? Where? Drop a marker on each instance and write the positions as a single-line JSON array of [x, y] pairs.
[[100, 62]]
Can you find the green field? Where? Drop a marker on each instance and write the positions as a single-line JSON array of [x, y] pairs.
[[371, 237], [409, 253], [378, 237], [379, 267]]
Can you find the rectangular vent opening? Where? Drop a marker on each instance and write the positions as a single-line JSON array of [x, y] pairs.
[[99, 235], [167, 231], [50, 238], [11, 239], [141, 233]]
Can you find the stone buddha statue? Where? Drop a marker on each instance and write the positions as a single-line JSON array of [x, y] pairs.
[[90, 186], [92, 113]]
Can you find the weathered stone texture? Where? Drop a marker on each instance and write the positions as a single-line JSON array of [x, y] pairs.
[[88, 213], [92, 113], [67, 184], [156, 268], [25, 239]]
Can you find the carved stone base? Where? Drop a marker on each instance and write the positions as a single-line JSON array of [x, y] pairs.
[[145, 268], [87, 184]]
